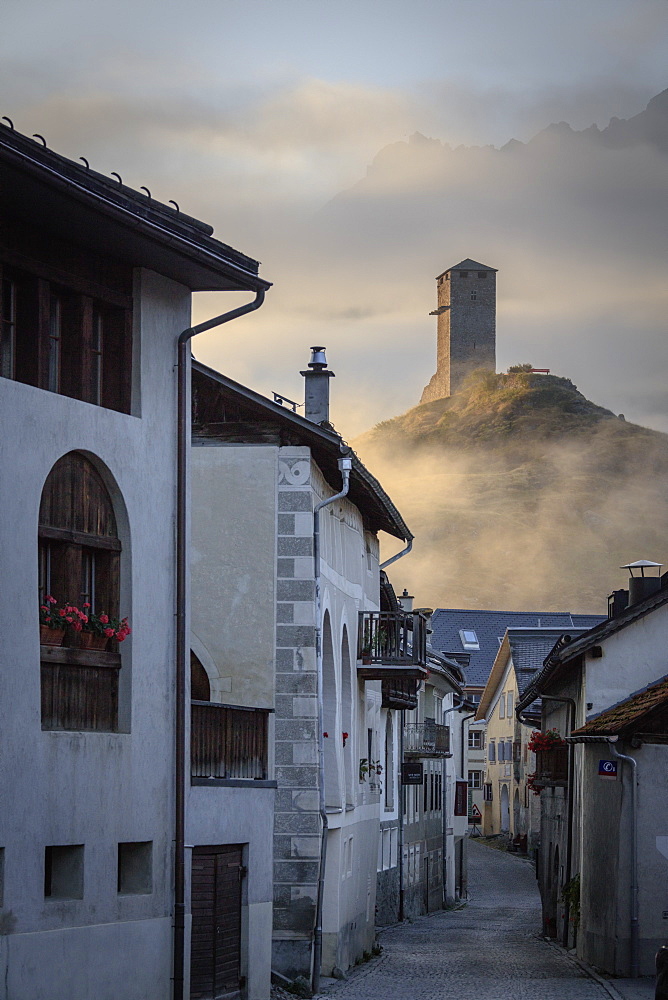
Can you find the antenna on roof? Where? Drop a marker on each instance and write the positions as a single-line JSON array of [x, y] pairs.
[[6, 119], [85, 162], [36, 135]]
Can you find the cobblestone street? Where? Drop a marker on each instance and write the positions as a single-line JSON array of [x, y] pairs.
[[489, 950]]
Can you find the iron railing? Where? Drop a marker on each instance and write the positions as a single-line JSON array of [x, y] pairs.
[[392, 639], [228, 742], [426, 739]]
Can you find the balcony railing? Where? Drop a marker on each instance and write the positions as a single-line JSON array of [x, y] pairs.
[[426, 739], [228, 742], [79, 689], [552, 766], [397, 641]]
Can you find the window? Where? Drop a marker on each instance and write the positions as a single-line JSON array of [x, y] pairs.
[[469, 638], [474, 295], [491, 753], [487, 792], [463, 274], [502, 706], [475, 779], [7, 327], [135, 867], [476, 739], [482, 274], [509, 704], [64, 872], [517, 751], [79, 562], [55, 338]]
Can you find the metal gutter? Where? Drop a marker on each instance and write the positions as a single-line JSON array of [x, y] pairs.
[[183, 443]]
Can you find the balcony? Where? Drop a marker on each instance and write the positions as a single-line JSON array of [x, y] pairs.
[[79, 689], [400, 694], [552, 767], [227, 742], [426, 739], [391, 646]]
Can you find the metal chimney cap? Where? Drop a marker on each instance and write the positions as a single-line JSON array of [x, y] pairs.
[[318, 359], [642, 565]]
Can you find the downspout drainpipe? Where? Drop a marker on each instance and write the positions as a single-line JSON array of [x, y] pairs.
[[464, 719], [635, 963], [183, 443], [345, 465], [399, 555], [400, 805], [571, 798]]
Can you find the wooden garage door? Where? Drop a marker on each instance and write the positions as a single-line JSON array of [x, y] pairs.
[[216, 922]]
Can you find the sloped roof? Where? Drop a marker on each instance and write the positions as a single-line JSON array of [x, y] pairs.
[[490, 627], [563, 654], [39, 187], [527, 648], [280, 425], [634, 713], [468, 265]]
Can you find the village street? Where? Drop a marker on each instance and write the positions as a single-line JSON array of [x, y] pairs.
[[489, 950]]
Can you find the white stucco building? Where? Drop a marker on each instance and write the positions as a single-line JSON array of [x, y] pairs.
[[96, 289], [260, 470]]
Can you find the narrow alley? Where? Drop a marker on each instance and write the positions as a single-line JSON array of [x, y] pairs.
[[489, 950]]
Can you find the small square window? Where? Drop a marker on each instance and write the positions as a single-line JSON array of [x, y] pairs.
[[469, 638], [135, 867], [482, 274], [463, 274], [64, 871]]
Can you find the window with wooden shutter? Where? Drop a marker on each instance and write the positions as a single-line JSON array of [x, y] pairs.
[[79, 563]]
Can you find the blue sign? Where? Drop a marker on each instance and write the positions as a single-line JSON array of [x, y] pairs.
[[607, 769]]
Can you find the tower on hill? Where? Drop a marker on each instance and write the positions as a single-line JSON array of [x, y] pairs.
[[466, 332]]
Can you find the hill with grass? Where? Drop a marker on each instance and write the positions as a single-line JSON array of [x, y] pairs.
[[522, 494]]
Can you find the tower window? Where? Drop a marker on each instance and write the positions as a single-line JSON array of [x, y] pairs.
[[463, 274], [482, 274], [474, 295]]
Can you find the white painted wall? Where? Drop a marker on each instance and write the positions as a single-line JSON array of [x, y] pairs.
[[96, 789]]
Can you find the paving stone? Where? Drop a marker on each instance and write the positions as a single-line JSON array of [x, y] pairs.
[[489, 949]]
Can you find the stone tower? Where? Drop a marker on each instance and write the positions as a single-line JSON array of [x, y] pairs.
[[466, 337]]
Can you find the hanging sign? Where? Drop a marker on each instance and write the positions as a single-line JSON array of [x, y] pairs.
[[607, 769], [412, 773]]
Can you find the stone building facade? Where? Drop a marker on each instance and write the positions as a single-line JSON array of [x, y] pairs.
[[466, 332]]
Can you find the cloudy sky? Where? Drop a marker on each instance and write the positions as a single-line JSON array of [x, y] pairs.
[[290, 126]]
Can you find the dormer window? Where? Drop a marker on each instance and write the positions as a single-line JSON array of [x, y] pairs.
[[469, 638]]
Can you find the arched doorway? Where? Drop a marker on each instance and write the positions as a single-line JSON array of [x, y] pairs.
[[505, 809], [330, 721]]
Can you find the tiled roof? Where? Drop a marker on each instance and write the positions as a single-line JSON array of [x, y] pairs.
[[597, 633], [628, 714], [490, 627]]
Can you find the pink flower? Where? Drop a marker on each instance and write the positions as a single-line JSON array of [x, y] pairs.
[[83, 618], [120, 636], [49, 599], [43, 607], [104, 619], [61, 613], [77, 626], [86, 604], [68, 618], [109, 632]]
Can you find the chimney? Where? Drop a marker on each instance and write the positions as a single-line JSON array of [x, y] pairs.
[[316, 389], [642, 582], [405, 601]]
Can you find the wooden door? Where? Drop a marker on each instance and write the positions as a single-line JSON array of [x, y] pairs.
[[215, 955]]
